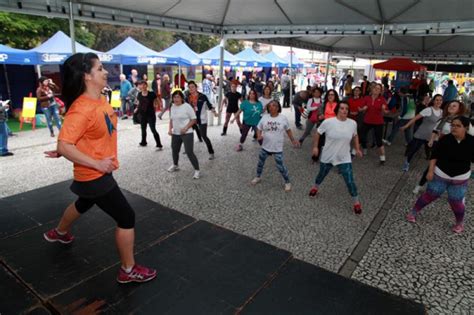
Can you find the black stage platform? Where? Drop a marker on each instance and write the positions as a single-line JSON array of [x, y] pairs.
[[202, 268]]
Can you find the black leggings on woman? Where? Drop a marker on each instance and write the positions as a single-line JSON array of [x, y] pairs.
[[378, 134]]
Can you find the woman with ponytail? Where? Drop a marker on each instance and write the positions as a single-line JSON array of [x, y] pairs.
[[88, 138]]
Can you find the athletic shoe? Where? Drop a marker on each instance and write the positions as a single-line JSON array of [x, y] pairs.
[[406, 166], [417, 189], [386, 142], [223, 134], [173, 168], [53, 236], [7, 154], [288, 187], [142, 144], [211, 156], [382, 163], [137, 274], [313, 191], [256, 180], [411, 218], [357, 208], [159, 148], [458, 228], [239, 148], [196, 175], [364, 151]]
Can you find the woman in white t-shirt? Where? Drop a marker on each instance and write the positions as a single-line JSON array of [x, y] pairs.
[[430, 115], [340, 131], [271, 133], [183, 117], [266, 97]]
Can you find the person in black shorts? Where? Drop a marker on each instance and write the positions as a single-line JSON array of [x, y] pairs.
[[231, 100]]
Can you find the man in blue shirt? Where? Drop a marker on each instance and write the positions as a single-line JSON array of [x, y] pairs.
[[451, 93], [125, 87]]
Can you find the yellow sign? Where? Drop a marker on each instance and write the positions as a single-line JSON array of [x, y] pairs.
[[29, 107], [115, 100]]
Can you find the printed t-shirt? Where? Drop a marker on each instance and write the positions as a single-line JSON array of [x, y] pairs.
[[181, 115], [274, 129], [339, 134], [233, 101], [252, 112], [374, 114], [91, 125]]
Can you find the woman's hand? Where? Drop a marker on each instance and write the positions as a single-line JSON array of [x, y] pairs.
[[170, 133], [296, 143], [430, 143], [315, 151], [184, 130], [52, 154], [105, 165], [430, 176]]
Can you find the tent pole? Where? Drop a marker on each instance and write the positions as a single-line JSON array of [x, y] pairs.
[[327, 72], [71, 28], [7, 82], [221, 81], [38, 70], [179, 76], [291, 74]]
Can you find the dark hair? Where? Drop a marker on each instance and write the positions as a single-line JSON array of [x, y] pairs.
[[177, 92], [74, 69], [464, 121], [255, 92], [273, 101], [338, 106], [42, 79], [450, 82], [267, 88], [192, 82], [142, 82], [336, 96], [320, 90], [356, 88], [432, 100]]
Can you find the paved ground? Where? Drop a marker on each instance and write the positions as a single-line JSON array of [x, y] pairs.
[[424, 262]]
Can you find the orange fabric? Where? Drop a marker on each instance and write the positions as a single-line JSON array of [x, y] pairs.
[[91, 125], [329, 110]]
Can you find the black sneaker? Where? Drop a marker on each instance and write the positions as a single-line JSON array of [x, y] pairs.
[[7, 154], [142, 144]]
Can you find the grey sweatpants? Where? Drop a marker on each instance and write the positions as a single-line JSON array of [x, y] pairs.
[[188, 140]]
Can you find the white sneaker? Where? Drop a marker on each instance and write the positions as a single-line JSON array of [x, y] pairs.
[[386, 142], [173, 168], [288, 187], [256, 180], [417, 189], [196, 175]]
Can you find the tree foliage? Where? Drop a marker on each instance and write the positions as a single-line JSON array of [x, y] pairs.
[[25, 32]]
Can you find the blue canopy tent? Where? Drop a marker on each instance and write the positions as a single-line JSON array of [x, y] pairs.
[[58, 48], [212, 57], [249, 58], [186, 56], [296, 63], [14, 56], [276, 60], [132, 52]]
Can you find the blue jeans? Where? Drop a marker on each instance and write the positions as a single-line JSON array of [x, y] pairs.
[[396, 126], [3, 138], [52, 112], [278, 156], [124, 106], [345, 170]]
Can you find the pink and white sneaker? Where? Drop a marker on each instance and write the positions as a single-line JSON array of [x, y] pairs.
[[53, 236], [411, 218], [137, 274], [458, 228]]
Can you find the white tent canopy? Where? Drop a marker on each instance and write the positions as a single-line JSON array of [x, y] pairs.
[[312, 24]]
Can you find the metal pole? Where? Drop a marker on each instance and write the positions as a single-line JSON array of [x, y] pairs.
[[221, 81], [38, 70], [291, 74], [327, 72], [71, 28], [7, 82], [179, 76]]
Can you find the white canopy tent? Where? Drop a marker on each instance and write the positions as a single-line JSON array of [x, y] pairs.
[[423, 29]]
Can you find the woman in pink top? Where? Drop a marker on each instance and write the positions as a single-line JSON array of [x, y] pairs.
[[374, 107]]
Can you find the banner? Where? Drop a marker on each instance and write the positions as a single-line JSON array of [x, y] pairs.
[[403, 79], [115, 100], [29, 107]]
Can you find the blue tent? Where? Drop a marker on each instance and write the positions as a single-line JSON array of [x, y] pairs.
[[249, 58], [212, 57], [132, 52], [14, 56], [276, 60], [295, 61], [58, 48], [185, 54]]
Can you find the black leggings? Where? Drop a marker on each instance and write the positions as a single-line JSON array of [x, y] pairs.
[[114, 204], [203, 130], [378, 134]]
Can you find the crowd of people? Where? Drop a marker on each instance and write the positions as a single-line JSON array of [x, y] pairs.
[[342, 128]]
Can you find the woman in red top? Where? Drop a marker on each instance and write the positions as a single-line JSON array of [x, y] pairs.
[[374, 107], [330, 102]]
